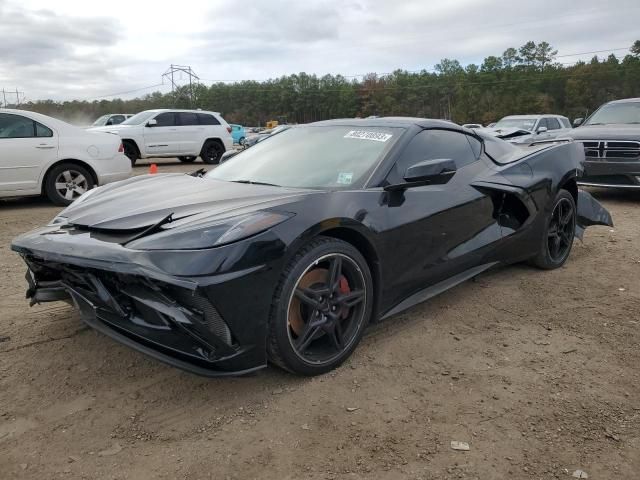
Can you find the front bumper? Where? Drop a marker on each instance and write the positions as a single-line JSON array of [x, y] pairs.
[[210, 321], [611, 174]]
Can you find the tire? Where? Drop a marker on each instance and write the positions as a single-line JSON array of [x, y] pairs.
[[187, 159], [559, 232], [66, 182], [211, 152], [241, 141], [314, 328], [131, 151]]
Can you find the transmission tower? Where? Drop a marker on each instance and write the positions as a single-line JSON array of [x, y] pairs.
[[10, 93], [171, 74]]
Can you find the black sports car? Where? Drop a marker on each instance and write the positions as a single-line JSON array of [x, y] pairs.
[[287, 251]]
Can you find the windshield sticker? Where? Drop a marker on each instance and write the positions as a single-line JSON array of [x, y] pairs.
[[364, 135], [345, 178]]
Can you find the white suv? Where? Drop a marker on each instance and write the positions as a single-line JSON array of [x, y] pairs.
[[185, 134]]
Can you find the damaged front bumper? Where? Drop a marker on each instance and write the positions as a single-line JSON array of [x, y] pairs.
[[178, 326], [204, 311]]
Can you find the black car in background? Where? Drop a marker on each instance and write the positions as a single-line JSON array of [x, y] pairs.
[[287, 251], [611, 139]]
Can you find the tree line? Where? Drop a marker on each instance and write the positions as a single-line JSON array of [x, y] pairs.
[[525, 80]]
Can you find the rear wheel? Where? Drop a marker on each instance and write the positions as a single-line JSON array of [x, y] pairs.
[[211, 152], [66, 182], [187, 159], [321, 308], [559, 232]]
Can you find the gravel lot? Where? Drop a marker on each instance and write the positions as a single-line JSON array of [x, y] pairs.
[[537, 371]]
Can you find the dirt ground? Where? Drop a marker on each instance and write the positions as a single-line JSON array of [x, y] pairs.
[[537, 371]]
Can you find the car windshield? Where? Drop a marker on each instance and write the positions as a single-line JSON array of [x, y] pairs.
[[139, 118], [312, 157], [617, 113], [100, 121], [521, 123]]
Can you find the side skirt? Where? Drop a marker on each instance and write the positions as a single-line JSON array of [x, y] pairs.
[[437, 289]]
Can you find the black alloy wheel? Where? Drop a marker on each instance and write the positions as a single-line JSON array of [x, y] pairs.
[[561, 230], [211, 152], [559, 233], [323, 307]]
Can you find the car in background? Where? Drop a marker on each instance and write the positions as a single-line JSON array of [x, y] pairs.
[[238, 134], [185, 134], [111, 119], [43, 155], [472, 126], [530, 128], [263, 135], [611, 139]]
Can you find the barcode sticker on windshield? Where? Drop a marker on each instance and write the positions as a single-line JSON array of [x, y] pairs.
[[345, 178], [364, 135]]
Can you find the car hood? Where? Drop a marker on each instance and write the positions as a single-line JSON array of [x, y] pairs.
[[606, 132], [144, 201]]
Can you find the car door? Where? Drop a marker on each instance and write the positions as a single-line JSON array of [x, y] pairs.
[[162, 138], [437, 231], [191, 133], [553, 127], [26, 147], [543, 122]]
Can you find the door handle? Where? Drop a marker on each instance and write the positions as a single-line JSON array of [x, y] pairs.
[[45, 147]]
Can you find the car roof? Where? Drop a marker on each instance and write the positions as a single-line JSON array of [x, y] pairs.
[[536, 116], [159, 110], [391, 122], [626, 100]]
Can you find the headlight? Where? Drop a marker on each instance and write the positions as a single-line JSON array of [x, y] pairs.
[[213, 234]]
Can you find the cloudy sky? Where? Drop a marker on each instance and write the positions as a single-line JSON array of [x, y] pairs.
[[71, 49]]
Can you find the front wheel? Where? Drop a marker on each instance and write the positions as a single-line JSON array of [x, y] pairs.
[[211, 152], [321, 307], [560, 229]]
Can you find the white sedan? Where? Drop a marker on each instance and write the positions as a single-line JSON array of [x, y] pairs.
[[42, 155]]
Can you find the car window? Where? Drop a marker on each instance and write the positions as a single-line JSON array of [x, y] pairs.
[[42, 131], [553, 124], [117, 119], [541, 123], [432, 145], [565, 122], [16, 126], [166, 119], [187, 118], [207, 119]]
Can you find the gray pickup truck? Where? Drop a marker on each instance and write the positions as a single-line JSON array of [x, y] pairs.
[[611, 139]]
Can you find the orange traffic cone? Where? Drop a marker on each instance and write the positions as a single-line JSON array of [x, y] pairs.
[[153, 168]]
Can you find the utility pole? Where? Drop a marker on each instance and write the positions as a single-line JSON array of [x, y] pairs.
[[186, 69]]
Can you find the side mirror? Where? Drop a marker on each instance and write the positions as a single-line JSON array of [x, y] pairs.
[[542, 129], [228, 155], [434, 172], [577, 122], [152, 123]]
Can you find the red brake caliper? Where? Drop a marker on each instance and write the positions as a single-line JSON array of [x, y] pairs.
[[344, 289]]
